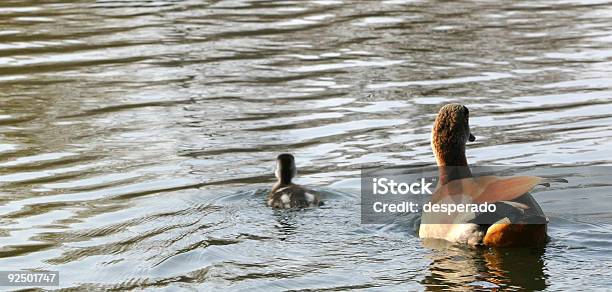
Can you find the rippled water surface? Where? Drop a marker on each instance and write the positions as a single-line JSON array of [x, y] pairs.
[[137, 138]]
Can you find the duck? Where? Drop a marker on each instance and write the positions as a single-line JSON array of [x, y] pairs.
[[287, 195], [518, 219]]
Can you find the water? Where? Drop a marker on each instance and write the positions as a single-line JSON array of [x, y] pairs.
[[137, 138]]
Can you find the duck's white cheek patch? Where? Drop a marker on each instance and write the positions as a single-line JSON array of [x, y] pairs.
[[285, 199]]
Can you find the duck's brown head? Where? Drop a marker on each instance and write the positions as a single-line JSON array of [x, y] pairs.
[[451, 131], [285, 168]]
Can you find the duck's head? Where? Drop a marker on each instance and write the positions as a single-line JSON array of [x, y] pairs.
[[285, 168], [451, 131]]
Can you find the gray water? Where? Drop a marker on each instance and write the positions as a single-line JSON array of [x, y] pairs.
[[137, 138]]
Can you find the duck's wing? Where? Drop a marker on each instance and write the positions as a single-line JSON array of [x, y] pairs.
[[494, 189], [489, 189]]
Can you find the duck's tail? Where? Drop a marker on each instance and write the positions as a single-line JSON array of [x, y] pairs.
[[546, 181]]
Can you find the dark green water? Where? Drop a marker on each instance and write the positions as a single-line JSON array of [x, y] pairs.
[[137, 138]]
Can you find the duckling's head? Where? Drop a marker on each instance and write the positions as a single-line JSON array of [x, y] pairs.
[[285, 168], [451, 131]]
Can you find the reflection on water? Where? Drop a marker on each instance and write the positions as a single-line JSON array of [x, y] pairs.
[[136, 137], [514, 269]]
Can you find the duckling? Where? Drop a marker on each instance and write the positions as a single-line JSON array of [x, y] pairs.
[[285, 194], [521, 221]]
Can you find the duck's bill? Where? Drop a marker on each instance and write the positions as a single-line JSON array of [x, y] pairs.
[[472, 138]]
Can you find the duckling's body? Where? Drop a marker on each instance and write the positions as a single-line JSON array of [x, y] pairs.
[[518, 221], [292, 196], [285, 194]]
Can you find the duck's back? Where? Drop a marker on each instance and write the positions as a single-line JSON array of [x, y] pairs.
[[292, 196]]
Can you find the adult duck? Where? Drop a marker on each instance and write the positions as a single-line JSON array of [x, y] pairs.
[[518, 220]]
